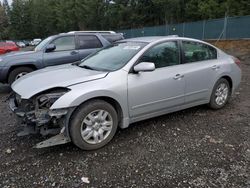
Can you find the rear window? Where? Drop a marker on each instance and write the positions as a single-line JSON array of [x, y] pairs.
[[89, 41], [112, 37], [195, 51]]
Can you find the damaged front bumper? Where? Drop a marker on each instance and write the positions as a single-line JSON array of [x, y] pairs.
[[43, 121]]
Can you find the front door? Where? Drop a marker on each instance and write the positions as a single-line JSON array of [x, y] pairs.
[[161, 89], [64, 53]]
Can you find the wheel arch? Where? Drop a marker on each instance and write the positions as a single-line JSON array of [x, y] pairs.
[[214, 105], [111, 101], [78, 96], [30, 65], [230, 81], [223, 76], [107, 99]]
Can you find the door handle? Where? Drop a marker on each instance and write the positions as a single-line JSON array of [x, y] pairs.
[[215, 67], [74, 52], [178, 76]]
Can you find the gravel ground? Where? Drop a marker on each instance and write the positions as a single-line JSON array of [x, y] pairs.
[[197, 147]]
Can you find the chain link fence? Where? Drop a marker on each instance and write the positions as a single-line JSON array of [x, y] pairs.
[[224, 28]]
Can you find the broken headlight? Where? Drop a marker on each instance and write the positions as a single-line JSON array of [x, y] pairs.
[[47, 100]]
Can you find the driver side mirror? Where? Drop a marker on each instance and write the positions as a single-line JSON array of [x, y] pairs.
[[50, 47], [144, 67]]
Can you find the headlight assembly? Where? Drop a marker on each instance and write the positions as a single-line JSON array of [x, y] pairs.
[[58, 112], [47, 100]]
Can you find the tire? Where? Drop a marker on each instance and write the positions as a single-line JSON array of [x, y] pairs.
[[78, 127], [214, 102], [18, 71]]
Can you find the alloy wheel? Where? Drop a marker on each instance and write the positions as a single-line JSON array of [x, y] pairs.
[[96, 126], [221, 94], [20, 75]]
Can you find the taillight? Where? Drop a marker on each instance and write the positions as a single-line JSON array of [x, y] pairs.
[[236, 61]]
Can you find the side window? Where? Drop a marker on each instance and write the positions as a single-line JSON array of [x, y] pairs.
[[163, 55], [64, 43], [194, 51], [89, 41], [112, 37]]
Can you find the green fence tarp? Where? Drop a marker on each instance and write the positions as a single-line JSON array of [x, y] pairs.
[[224, 28]]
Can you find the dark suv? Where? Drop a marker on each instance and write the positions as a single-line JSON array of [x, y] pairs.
[[55, 50]]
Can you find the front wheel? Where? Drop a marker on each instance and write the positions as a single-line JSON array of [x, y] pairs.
[[220, 95], [18, 73], [93, 125]]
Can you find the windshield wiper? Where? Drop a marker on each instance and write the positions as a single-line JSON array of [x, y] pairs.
[[76, 63], [87, 67], [92, 68]]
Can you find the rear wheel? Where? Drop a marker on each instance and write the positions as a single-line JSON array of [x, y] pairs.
[[93, 125], [220, 95], [18, 73]]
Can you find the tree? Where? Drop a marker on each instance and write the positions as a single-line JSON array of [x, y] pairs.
[[20, 19], [27, 19], [6, 6], [3, 23]]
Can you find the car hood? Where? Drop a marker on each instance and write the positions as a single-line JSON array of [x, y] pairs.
[[9, 57], [53, 77], [17, 54]]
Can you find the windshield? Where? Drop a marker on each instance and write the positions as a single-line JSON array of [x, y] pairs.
[[112, 57], [42, 44]]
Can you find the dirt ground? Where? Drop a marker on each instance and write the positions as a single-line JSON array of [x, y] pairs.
[[197, 147]]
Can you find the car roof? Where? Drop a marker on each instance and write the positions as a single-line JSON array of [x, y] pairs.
[[149, 39], [100, 32], [87, 33], [158, 38]]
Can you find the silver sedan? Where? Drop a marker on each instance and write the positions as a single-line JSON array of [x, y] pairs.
[[129, 81]]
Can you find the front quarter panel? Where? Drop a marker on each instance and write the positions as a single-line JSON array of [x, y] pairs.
[[34, 58], [114, 85]]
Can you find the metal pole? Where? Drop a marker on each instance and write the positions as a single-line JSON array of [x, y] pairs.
[[225, 28], [166, 28], [183, 29], [203, 29]]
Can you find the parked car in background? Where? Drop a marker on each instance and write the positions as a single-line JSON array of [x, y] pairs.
[[26, 42], [35, 42], [20, 44], [129, 81], [9, 41], [54, 50], [6, 47]]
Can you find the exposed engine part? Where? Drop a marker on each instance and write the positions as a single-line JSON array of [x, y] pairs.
[[27, 130], [35, 113], [36, 116]]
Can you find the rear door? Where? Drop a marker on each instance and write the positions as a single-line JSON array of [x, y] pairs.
[[87, 44], [64, 53], [201, 70]]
